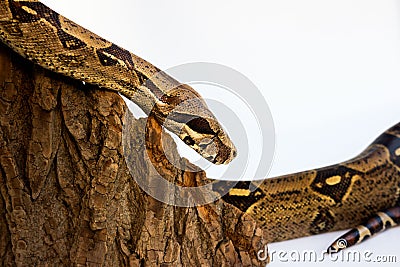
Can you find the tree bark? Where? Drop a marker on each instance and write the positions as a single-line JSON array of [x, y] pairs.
[[68, 198]]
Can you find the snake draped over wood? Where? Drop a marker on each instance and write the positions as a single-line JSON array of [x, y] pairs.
[[310, 202]]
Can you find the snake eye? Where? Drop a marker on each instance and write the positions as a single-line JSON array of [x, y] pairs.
[[200, 125], [189, 141]]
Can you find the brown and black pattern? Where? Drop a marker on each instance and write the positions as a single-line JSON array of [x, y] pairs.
[[28, 12], [334, 182], [243, 195], [109, 56]]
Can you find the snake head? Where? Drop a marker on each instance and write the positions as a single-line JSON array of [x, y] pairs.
[[212, 144], [195, 124]]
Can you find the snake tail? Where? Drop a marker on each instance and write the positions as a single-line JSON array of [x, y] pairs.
[[380, 222]]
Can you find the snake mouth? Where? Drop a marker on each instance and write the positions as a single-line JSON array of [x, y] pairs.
[[211, 148]]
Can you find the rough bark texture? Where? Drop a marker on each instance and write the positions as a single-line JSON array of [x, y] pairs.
[[67, 197]]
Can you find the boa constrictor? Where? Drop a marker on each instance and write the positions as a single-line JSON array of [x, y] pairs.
[[310, 202]]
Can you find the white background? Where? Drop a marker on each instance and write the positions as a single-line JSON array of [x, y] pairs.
[[329, 70]]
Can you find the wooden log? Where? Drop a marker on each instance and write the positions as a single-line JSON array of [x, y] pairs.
[[68, 197]]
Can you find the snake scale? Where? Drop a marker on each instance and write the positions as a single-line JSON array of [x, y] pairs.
[[310, 202]]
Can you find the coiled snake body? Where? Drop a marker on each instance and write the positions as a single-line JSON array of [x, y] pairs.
[[310, 202]]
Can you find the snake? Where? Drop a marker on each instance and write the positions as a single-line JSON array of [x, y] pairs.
[[363, 191]]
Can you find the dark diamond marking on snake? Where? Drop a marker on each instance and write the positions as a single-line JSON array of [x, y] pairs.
[[242, 185], [106, 60], [70, 42], [244, 202], [335, 191], [43, 12], [22, 15], [109, 56]]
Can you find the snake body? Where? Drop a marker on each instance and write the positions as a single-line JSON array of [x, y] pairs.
[[290, 206], [331, 198]]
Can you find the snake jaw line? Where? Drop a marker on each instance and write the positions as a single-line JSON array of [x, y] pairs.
[[196, 141], [212, 147]]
